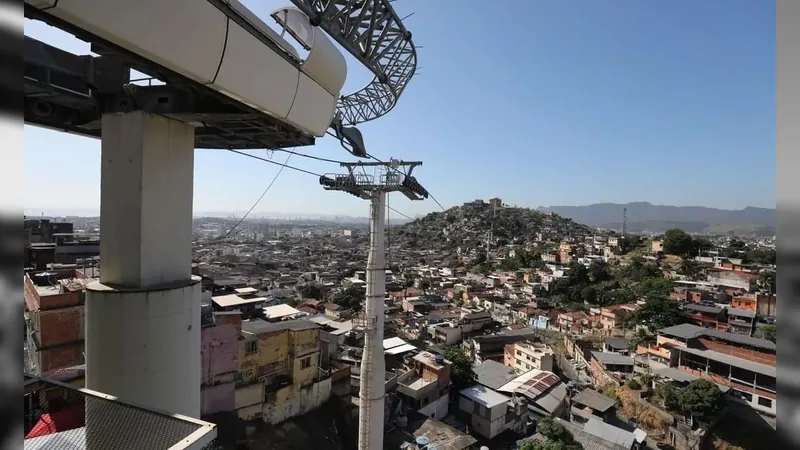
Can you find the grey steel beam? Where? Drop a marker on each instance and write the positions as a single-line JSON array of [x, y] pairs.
[[374, 34]]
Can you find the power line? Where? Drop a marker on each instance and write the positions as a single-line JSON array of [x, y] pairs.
[[437, 201], [308, 172], [398, 212], [284, 165], [317, 158], [276, 163]]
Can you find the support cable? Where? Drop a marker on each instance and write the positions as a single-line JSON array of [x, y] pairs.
[[307, 172], [283, 166]]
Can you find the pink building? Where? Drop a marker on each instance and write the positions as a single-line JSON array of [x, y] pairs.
[[219, 353]]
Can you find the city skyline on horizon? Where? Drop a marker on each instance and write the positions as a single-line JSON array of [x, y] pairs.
[[72, 212]]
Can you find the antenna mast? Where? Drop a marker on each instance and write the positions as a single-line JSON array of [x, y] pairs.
[[395, 176], [624, 222]]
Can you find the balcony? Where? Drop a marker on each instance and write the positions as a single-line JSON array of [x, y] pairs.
[[61, 416]]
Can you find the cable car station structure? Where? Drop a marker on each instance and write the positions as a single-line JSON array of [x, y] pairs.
[[225, 81]]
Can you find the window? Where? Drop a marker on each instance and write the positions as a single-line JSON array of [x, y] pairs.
[[305, 363], [519, 353], [765, 402], [251, 347]]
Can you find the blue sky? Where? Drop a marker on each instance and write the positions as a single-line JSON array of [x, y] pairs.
[[542, 103]]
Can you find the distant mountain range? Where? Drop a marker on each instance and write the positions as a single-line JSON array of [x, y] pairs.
[[644, 216]]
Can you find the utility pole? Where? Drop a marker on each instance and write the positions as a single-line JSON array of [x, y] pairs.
[[394, 176]]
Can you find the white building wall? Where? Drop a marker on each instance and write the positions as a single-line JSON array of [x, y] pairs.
[[438, 409], [753, 402]]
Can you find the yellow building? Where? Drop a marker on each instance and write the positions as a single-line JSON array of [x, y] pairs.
[[279, 370]]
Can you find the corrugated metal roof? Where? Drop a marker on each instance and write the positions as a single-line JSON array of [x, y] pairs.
[[594, 400], [484, 396], [258, 326], [690, 331], [277, 311], [493, 375], [613, 358], [553, 399], [587, 440], [609, 433], [230, 300], [400, 349], [741, 363], [393, 342]]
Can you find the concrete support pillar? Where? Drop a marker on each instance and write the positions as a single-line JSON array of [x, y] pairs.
[[143, 316], [372, 390]]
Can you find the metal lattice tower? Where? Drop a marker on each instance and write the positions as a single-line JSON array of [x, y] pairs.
[[624, 222], [394, 176]]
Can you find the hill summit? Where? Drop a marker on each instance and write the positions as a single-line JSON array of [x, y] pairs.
[[473, 223]]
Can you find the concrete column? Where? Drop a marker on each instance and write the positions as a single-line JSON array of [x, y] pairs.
[[143, 316], [372, 379]]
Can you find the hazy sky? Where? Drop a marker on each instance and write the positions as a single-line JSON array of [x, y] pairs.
[[538, 102]]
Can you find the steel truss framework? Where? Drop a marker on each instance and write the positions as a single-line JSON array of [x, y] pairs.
[[396, 177], [374, 34]]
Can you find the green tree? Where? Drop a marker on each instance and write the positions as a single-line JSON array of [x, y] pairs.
[[669, 396], [691, 269], [767, 279], [728, 252], [628, 244], [351, 297], [555, 437], [659, 312], [599, 272], [737, 244], [677, 242], [701, 245], [480, 257], [529, 258], [768, 332], [461, 373], [652, 286], [425, 284], [642, 338], [510, 264], [761, 256], [589, 294], [310, 291], [638, 270], [701, 398]]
